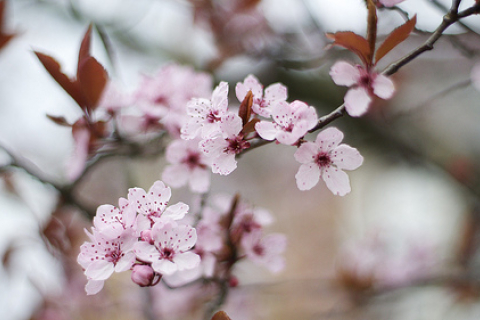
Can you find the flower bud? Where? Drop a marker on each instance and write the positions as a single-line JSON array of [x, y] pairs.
[[142, 275]]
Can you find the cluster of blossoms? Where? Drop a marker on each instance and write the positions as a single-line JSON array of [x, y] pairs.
[[155, 241], [143, 234], [208, 134]]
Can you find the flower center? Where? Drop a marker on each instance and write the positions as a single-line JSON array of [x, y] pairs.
[[213, 117], [323, 160], [193, 160], [168, 253], [259, 250], [113, 255], [236, 145]]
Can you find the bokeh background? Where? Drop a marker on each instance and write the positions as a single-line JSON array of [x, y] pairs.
[[402, 245]]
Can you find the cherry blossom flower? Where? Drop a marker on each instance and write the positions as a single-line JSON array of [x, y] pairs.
[[112, 221], [292, 122], [365, 84], [225, 146], [171, 249], [326, 158], [152, 206], [266, 251], [103, 256], [261, 102], [205, 115], [188, 165]]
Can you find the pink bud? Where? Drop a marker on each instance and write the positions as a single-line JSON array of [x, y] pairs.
[[142, 275]]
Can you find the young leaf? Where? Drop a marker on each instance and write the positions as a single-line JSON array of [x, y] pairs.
[[353, 42], [396, 37], [92, 78], [245, 109], [250, 126], [84, 52], [70, 86], [4, 37]]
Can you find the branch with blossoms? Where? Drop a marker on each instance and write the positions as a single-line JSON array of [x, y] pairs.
[[177, 113]]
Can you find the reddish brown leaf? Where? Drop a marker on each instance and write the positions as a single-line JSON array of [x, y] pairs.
[[92, 78], [250, 126], [59, 120], [221, 315], [70, 86], [396, 37], [4, 37], [245, 109], [353, 42], [84, 52]]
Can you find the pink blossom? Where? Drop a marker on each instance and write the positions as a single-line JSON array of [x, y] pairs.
[[266, 251], [152, 206], [188, 165], [365, 84], [326, 158], [171, 249], [261, 102], [112, 221], [205, 115], [292, 122], [103, 256], [226, 145]]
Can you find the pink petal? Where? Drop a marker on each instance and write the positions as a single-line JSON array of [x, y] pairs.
[[267, 130], [220, 97], [94, 286], [175, 175], [357, 101], [306, 153], [337, 180], [344, 74], [224, 164], [146, 252], [199, 180], [307, 176], [276, 91], [164, 267], [176, 211], [231, 125], [329, 138], [176, 151], [250, 83], [126, 262], [346, 157], [186, 260], [383, 87], [99, 270]]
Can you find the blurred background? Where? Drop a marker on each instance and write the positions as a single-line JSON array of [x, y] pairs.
[[402, 245]]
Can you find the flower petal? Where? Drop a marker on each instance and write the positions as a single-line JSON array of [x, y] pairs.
[[344, 74], [383, 87], [186, 260], [329, 138], [175, 175], [346, 157], [337, 180], [94, 286], [306, 153], [307, 176], [267, 130], [99, 270], [357, 101]]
